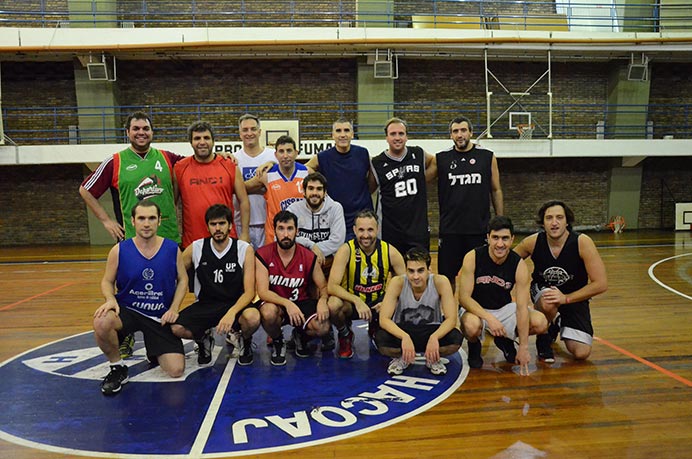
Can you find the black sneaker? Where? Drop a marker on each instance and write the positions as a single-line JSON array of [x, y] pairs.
[[278, 357], [115, 379], [301, 341], [507, 347], [554, 329], [328, 342], [544, 348], [205, 347], [475, 359], [246, 357]]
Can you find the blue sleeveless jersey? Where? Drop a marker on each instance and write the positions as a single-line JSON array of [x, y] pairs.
[[147, 286]]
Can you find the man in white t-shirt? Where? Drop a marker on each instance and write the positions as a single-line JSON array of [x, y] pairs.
[[251, 158]]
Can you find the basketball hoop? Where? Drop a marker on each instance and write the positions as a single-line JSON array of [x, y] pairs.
[[525, 131], [617, 224]]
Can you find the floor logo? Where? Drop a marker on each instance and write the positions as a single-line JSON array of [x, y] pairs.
[[53, 401]]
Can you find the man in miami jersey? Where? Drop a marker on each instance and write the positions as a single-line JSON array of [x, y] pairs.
[[287, 277]]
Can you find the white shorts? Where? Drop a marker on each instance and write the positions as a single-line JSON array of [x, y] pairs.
[[507, 315]]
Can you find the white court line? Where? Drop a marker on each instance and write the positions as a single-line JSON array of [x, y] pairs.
[[214, 405], [655, 279]]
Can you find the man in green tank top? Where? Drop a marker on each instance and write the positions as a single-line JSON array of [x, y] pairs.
[[139, 172]]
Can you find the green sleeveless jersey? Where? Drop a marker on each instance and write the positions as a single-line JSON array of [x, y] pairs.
[[138, 178]]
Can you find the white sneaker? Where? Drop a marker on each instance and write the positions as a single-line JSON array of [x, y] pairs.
[[437, 368], [234, 340], [397, 366]]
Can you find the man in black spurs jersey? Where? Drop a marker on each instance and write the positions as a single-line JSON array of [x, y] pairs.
[[401, 172], [224, 286], [567, 273]]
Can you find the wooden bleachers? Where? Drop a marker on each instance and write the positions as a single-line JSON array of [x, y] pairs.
[[555, 23]]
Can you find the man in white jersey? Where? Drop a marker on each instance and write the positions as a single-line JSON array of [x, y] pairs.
[[251, 158]]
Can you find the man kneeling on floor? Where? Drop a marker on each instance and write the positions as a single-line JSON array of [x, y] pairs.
[[488, 275], [224, 286], [148, 275], [418, 314]]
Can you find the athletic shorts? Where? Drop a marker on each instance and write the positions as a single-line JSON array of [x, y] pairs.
[[451, 251], [575, 318], [354, 312], [158, 339], [200, 317], [307, 307], [507, 315], [420, 334]]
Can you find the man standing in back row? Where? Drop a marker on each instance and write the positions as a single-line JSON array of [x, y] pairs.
[[205, 179], [346, 160], [467, 179], [250, 158], [137, 173], [401, 172]]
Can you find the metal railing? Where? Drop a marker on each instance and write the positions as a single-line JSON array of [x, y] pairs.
[[600, 15], [426, 119]]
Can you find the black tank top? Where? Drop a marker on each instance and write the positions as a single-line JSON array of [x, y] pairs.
[[221, 279], [493, 283], [403, 202], [566, 272], [464, 185]]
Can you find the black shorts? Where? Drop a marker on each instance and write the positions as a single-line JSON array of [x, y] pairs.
[[199, 317], [403, 242], [575, 318], [420, 334], [451, 251], [307, 307], [158, 339]]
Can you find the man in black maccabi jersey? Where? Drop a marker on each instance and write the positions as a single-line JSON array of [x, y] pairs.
[[224, 286], [402, 204], [467, 180], [488, 276], [567, 273]]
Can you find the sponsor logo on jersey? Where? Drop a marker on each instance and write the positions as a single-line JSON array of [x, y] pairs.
[[149, 187]]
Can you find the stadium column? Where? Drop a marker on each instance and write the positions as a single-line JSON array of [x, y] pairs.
[[627, 119], [375, 95], [97, 113]]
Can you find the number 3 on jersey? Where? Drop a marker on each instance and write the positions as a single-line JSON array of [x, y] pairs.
[[406, 188]]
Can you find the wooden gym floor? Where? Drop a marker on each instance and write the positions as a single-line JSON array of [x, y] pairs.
[[632, 398]]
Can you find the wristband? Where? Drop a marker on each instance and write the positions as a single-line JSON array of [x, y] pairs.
[[567, 300]]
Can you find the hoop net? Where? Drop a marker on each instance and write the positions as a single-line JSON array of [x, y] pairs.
[[617, 224], [525, 131]]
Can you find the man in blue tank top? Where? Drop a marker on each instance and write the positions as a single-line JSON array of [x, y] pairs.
[[418, 314], [347, 169], [144, 283]]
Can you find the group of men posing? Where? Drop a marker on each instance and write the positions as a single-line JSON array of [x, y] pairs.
[[299, 252]]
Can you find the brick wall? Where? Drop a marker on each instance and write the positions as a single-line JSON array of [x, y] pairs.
[[44, 93], [41, 205], [665, 181], [671, 89], [264, 85], [437, 90]]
